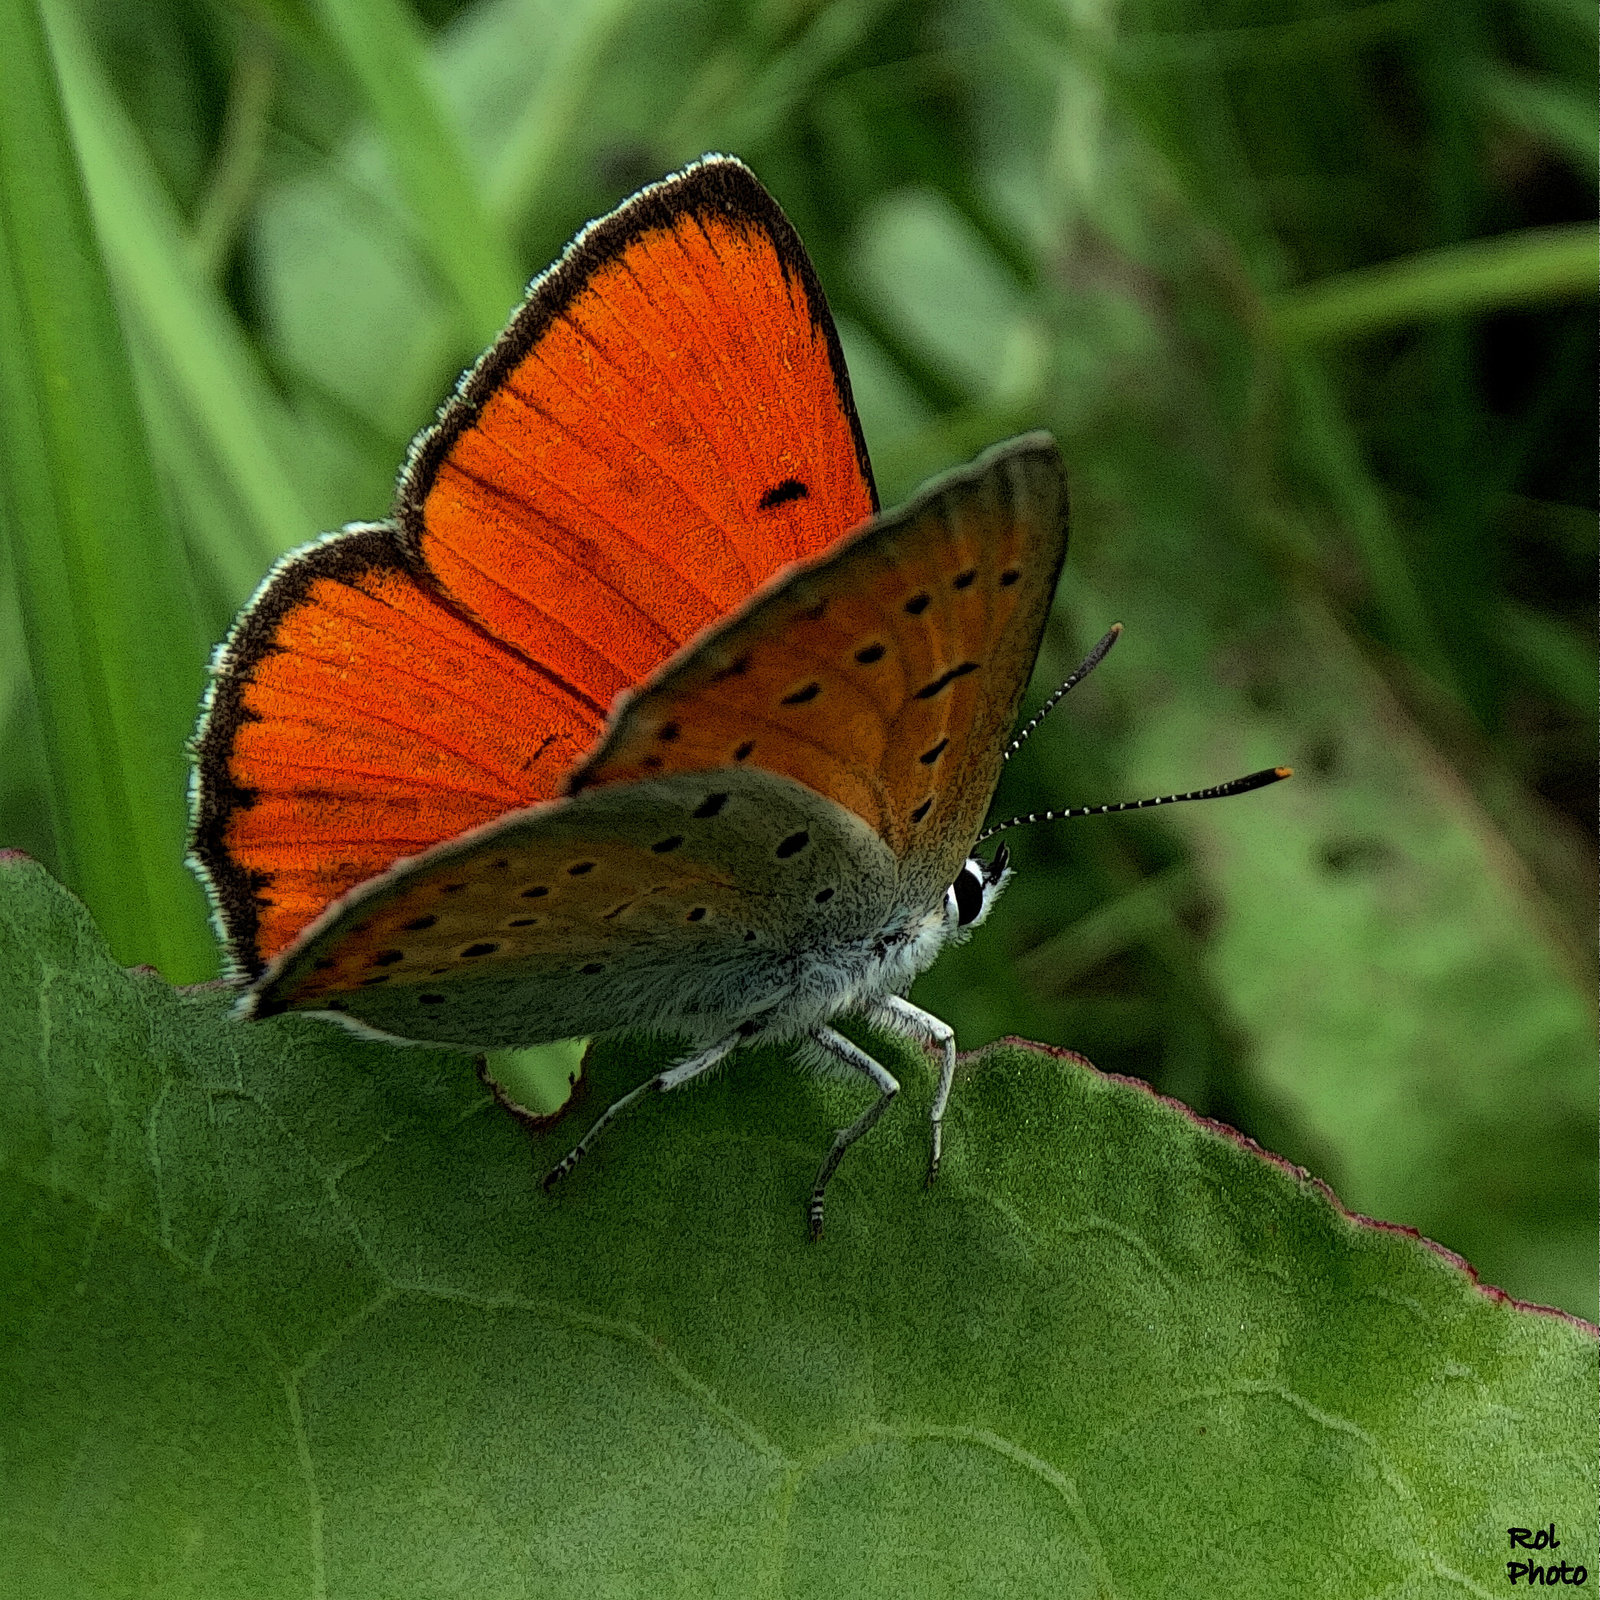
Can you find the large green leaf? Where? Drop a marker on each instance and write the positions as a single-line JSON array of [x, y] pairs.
[[287, 1313]]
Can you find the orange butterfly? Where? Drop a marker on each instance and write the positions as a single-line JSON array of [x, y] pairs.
[[638, 715]]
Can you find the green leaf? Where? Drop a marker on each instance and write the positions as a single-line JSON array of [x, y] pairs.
[[284, 1312], [115, 657]]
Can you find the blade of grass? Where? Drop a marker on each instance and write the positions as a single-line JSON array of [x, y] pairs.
[[1559, 116], [202, 498], [237, 167], [1533, 267], [386, 55], [759, 107], [185, 323], [1558, 658], [1335, 456], [115, 657], [544, 131]]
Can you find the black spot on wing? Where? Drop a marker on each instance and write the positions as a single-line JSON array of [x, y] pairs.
[[918, 603], [945, 679], [793, 845], [801, 696], [921, 811], [711, 805], [870, 653], [782, 493]]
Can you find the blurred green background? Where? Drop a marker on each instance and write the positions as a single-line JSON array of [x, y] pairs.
[[1305, 290]]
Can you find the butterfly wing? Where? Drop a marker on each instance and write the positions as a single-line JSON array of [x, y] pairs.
[[810, 773], [634, 906], [885, 676], [664, 425]]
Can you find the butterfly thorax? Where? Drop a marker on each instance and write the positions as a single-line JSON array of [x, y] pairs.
[[785, 994]]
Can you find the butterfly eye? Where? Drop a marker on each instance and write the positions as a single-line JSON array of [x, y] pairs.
[[968, 890]]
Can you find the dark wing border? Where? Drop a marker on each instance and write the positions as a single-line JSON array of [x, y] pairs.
[[714, 185]]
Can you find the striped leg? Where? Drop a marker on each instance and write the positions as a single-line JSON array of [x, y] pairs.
[[912, 1022], [859, 1061], [691, 1067]]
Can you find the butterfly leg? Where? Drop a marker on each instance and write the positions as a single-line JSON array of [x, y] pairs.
[[912, 1022], [859, 1061], [671, 1078]]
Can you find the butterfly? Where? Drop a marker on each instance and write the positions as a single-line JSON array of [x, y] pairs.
[[639, 713]]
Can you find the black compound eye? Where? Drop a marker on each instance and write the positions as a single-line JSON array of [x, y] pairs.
[[968, 890]]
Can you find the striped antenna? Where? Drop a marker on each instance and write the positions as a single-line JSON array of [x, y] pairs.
[[1256, 780], [1082, 671]]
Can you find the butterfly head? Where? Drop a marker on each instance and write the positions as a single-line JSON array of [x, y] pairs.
[[977, 887]]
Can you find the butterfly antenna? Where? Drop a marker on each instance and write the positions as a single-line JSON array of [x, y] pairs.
[[1255, 780], [1079, 673]]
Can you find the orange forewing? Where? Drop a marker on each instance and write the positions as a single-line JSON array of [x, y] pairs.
[[663, 426], [887, 675]]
